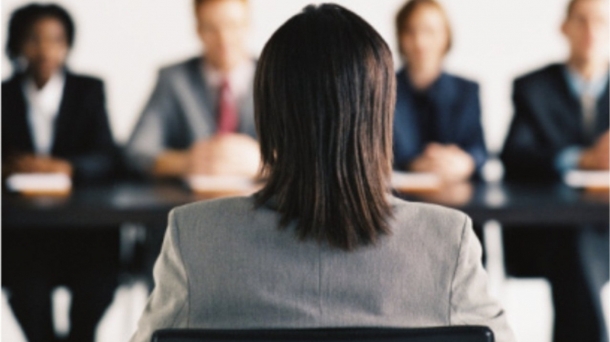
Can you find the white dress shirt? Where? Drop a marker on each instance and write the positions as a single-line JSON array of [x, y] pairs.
[[240, 82], [588, 92], [42, 110]]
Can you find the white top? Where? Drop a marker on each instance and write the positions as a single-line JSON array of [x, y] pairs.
[[240, 81], [42, 110]]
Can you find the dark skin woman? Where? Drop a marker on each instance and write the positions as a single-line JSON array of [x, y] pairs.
[[45, 47], [55, 121]]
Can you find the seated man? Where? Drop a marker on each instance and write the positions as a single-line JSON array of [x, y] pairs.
[[561, 123], [199, 118]]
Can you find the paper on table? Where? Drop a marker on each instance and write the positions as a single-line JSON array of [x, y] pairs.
[[587, 179], [39, 183], [228, 184], [415, 181]]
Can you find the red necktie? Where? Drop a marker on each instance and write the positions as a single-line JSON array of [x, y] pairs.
[[227, 113]]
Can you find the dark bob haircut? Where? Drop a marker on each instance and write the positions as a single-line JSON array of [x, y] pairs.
[[324, 101], [25, 17]]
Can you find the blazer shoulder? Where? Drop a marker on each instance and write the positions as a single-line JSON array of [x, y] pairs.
[[13, 101], [179, 68], [402, 72], [402, 84], [80, 84], [84, 79], [212, 210], [437, 230], [463, 83], [432, 219], [11, 84], [8, 82], [538, 76]]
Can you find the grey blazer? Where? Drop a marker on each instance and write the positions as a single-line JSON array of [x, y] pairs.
[[226, 265], [180, 111]]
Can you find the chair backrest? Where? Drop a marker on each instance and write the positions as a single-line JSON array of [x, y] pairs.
[[436, 334]]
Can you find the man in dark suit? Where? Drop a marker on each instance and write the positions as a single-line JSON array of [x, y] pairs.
[[561, 123], [54, 121]]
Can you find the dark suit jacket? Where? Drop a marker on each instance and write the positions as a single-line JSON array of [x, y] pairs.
[[448, 112], [82, 132], [547, 120], [83, 137]]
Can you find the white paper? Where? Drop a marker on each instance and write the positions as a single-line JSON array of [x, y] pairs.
[[202, 183], [587, 179], [406, 181], [39, 182]]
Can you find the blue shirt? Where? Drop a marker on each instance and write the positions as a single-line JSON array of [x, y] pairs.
[[568, 158]]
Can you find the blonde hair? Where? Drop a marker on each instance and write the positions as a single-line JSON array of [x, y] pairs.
[[570, 7], [406, 12], [197, 3]]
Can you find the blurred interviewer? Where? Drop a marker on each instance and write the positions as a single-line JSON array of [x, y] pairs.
[[52, 119], [324, 243], [560, 124], [437, 123], [199, 119], [55, 121]]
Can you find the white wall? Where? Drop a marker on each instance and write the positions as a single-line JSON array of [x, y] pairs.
[[126, 41]]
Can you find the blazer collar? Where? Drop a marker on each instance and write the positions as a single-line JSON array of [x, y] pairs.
[[19, 111], [440, 87], [65, 116]]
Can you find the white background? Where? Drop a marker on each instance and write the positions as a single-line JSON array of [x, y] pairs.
[[125, 42]]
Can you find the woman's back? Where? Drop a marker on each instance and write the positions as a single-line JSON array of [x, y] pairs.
[[226, 265], [323, 244]]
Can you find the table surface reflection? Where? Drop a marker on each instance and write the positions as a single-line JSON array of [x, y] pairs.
[[94, 206]]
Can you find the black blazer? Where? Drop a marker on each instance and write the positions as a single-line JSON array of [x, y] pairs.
[[82, 132], [547, 120], [448, 112]]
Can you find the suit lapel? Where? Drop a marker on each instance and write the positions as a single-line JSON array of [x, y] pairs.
[[442, 97], [22, 126], [64, 117], [568, 108], [602, 112], [406, 119], [17, 137], [194, 96], [246, 110]]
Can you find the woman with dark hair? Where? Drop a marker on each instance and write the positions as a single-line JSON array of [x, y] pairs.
[[324, 244], [54, 121], [437, 123]]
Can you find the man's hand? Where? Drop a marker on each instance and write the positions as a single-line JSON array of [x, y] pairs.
[[226, 154], [597, 157], [30, 163], [449, 162]]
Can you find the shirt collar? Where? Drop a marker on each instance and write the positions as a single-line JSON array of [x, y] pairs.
[[48, 98], [240, 78], [582, 87]]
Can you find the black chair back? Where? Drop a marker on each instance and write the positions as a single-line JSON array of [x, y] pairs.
[[436, 334]]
